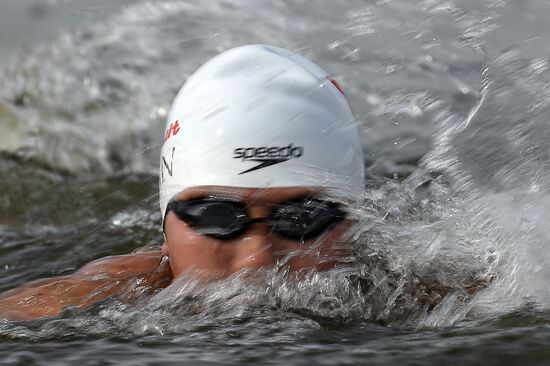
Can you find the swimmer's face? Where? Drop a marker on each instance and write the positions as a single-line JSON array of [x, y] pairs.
[[257, 246]]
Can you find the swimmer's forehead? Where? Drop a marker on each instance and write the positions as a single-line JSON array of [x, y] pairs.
[[268, 195]]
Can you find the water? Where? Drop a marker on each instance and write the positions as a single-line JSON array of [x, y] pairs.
[[450, 251]]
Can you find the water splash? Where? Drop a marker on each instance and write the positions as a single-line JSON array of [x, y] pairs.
[[499, 161], [464, 241]]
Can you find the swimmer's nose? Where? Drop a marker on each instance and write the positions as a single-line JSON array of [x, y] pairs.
[[255, 248]]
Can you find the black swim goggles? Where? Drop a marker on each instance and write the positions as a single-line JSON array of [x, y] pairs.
[[299, 219]]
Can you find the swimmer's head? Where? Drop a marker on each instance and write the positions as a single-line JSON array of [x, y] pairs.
[[260, 116]]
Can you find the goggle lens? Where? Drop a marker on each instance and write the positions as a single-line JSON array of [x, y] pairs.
[[298, 220], [302, 220]]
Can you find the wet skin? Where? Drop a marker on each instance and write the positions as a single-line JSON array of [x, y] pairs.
[[184, 252], [257, 247]]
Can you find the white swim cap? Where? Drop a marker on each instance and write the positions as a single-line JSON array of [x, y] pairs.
[[260, 116]]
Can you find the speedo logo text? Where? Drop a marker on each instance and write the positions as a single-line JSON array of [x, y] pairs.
[[267, 155]]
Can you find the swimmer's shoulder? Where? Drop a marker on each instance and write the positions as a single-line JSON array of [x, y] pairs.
[[98, 280]]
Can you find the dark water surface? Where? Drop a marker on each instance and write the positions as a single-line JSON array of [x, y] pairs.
[[453, 98]]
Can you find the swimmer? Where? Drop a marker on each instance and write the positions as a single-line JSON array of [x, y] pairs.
[[260, 156]]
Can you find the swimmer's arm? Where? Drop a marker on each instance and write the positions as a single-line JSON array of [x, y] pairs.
[[96, 281]]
